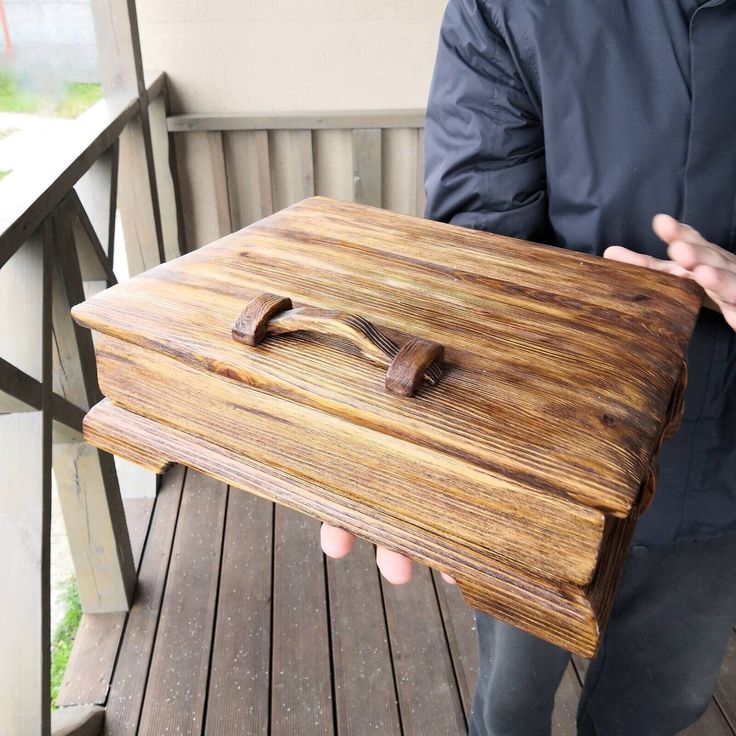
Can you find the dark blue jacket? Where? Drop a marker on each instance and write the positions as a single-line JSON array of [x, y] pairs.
[[572, 123]]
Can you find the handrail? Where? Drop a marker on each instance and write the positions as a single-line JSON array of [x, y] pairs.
[[57, 237], [32, 194], [331, 120]]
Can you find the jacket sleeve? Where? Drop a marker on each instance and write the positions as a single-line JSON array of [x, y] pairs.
[[484, 145]]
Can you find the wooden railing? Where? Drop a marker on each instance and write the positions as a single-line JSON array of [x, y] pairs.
[[57, 241], [235, 169], [180, 181]]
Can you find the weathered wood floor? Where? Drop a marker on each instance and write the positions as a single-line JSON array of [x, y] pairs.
[[240, 626]]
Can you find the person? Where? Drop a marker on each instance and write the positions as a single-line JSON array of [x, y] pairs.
[[573, 124]]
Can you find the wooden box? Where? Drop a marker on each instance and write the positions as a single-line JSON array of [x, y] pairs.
[[490, 407]]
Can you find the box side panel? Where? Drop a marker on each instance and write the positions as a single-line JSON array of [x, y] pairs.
[[560, 614], [461, 507]]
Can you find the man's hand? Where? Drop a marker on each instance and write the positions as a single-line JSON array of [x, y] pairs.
[[692, 257], [396, 568]]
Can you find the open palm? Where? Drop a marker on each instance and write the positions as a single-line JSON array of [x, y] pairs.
[[692, 257]]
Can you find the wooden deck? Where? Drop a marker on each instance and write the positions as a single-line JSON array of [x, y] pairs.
[[240, 626]]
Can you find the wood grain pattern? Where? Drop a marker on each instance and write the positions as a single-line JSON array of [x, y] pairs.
[[520, 473], [554, 537], [564, 615], [408, 365]]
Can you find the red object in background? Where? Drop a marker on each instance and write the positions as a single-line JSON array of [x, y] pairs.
[[6, 30]]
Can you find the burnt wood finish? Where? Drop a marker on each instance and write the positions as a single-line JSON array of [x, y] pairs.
[[521, 473], [407, 366]]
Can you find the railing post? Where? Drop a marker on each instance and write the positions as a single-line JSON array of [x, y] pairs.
[[121, 70], [86, 480], [25, 497]]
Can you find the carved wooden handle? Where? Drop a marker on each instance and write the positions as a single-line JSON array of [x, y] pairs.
[[271, 314]]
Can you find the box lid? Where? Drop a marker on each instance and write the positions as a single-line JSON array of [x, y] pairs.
[[557, 368]]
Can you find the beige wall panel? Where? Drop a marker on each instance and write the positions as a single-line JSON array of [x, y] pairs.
[[400, 147], [134, 200], [241, 55], [199, 191], [421, 194], [292, 166], [333, 163], [164, 181], [248, 176]]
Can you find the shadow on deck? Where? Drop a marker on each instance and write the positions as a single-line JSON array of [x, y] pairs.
[[240, 626]]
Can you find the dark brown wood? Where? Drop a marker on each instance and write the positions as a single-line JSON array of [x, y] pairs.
[[301, 697], [76, 209], [407, 366], [37, 193], [365, 696], [252, 323], [407, 369], [82, 720], [520, 474], [428, 696], [127, 690], [355, 624], [177, 684], [240, 674], [89, 670]]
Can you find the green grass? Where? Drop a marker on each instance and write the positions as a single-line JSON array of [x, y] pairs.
[[77, 98], [3, 174], [61, 645]]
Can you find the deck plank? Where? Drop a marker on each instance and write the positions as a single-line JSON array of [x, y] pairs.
[[332, 638], [87, 676], [238, 699], [428, 698], [131, 670], [459, 624], [365, 692], [177, 683], [566, 705], [300, 676]]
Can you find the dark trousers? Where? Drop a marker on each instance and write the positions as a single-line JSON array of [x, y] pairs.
[[658, 663]]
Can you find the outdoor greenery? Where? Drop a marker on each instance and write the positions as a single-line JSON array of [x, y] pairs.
[[3, 174], [61, 645], [76, 98]]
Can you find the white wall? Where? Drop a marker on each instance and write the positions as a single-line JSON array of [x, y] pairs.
[[250, 55]]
